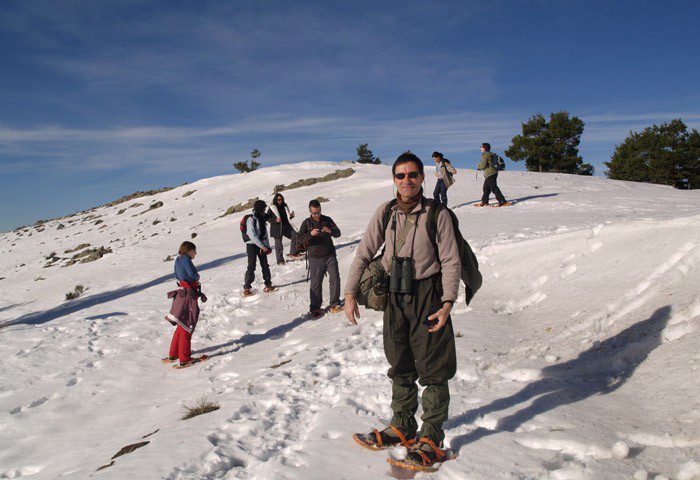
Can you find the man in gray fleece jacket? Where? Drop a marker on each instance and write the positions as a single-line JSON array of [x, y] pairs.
[[418, 334]]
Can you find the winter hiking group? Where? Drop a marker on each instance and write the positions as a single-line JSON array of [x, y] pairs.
[[414, 281]]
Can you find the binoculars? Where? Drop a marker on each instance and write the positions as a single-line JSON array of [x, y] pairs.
[[401, 278]]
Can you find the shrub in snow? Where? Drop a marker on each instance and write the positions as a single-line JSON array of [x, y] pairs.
[[201, 407], [77, 291]]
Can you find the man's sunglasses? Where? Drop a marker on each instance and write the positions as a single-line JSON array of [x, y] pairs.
[[401, 176]]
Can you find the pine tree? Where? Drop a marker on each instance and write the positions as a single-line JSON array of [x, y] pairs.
[[243, 167], [365, 155], [662, 154], [550, 146]]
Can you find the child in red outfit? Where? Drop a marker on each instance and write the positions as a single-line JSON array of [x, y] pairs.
[[188, 280]]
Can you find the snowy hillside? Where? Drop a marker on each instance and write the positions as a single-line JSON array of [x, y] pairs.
[[578, 359]]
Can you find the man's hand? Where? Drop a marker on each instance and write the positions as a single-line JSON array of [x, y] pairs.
[[441, 317], [266, 250], [326, 230], [315, 232], [352, 311]]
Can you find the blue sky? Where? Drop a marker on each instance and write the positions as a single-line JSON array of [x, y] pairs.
[[100, 99]]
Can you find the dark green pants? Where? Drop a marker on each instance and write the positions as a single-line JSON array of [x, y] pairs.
[[416, 354]]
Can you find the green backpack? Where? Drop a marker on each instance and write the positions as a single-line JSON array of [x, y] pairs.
[[373, 289]]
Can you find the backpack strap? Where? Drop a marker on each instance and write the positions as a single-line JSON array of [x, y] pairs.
[[385, 221], [434, 209], [387, 215]]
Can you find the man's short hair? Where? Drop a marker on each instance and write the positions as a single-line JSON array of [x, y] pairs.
[[438, 155], [407, 158], [314, 203], [259, 205], [486, 146]]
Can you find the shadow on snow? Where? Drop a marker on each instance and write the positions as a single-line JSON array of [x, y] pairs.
[[37, 318], [253, 338], [598, 371], [73, 306], [514, 200]]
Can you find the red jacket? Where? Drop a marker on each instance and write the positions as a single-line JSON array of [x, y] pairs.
[[185, 308]]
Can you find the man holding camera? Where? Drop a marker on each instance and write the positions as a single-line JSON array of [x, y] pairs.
[[318, 232], [418, 335]]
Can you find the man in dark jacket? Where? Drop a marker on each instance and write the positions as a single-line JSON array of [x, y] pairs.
[[318, 232], [490, 178]]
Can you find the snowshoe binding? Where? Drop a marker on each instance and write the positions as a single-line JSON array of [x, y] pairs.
[[191, 362], [376, 440], [337, 308], [423, 456]]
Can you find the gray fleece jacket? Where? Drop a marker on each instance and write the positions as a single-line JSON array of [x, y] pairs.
[[425, 258]]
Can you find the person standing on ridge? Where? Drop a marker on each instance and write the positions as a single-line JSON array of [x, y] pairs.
[[257, 247], [489, 163], [184, 312], [280, 226], [318, 231], [419, 339], [444, 172]]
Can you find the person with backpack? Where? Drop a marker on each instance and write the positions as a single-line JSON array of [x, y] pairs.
[[280, 226], [257, 244], [184, 312], [491, 164], [423, 276], [318, 232], [444, 172]]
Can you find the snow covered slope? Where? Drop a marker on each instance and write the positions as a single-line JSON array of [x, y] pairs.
[[577, 360]]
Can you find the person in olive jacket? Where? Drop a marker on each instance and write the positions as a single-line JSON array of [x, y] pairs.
[[318, 232], [490, 178]]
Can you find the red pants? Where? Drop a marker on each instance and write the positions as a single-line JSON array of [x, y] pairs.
[[181, 345]]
